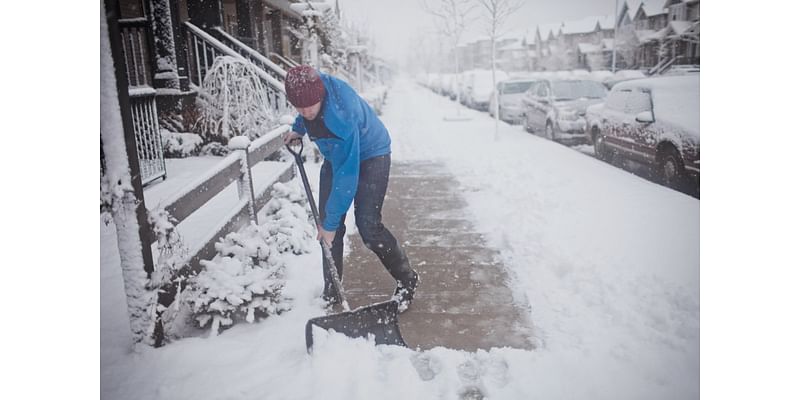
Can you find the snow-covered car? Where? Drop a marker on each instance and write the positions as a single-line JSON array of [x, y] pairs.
[[623, 75], [653, 121], [556, 108], [478, 88], [509, 95]]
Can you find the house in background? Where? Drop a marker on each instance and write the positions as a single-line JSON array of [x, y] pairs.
[[652, 35]]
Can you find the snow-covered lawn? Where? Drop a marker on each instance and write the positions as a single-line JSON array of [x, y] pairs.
[[608, 261]]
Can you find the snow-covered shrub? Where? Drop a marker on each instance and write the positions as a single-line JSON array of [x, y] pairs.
[[180, 145], [172, 256], [214, 149], [106, 200], [172, 252], [233, 101], [231, 289], [245, 280]]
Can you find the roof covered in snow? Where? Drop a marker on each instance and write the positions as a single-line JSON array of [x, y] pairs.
[[647, 35], [515, 45], [653, 7], [680, 27], [606, 22], [630, 7], [583, 25], [546, 29]]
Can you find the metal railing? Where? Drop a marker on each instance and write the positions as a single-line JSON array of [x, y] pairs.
[[136, 51], [148, 137], [288, 63], [252, 55], [204, 49]]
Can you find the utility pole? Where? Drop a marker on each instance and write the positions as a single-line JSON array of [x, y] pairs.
[[614, 41]]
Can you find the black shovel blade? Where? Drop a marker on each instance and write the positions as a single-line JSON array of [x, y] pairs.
[[379, 319]]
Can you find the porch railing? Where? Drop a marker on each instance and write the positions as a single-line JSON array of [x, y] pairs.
[[148, 138], [135, 36], [204, 49], [135, 48], [287, 63], [249, 53]]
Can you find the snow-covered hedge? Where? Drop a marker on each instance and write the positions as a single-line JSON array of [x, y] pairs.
[[245, 281], [180, 145]]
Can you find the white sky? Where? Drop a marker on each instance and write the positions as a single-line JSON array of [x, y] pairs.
[[396, 24]]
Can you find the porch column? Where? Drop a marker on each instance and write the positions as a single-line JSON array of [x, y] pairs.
[[166, 75]]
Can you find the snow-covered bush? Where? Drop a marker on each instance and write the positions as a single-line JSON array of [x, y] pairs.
[[171, 250], [214, 149], [172, 256], [233, 101], [245, 281], [180, 145], [106, 200]]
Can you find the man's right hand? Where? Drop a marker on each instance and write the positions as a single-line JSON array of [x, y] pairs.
[[292, 138]]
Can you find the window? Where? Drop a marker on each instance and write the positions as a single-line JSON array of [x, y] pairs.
[[678, 12], [515, 87], [616, 100], [638, 101], [570, 90], [131, 9], [541, 90]]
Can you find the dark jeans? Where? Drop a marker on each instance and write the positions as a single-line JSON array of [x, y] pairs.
[[373, 180]]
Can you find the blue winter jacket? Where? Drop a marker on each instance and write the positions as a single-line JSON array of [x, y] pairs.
[[361, 136]]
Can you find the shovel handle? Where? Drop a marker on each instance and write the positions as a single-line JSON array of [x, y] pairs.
[[326, 249]]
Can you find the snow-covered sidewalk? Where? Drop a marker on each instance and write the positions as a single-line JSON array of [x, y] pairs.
[[608, 261]]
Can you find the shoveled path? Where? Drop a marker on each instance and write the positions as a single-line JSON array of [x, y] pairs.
[[463, 301]]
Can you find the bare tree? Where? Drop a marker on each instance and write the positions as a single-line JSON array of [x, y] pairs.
[[495, 14], [452, 17]]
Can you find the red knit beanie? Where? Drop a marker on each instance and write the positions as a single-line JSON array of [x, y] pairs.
[[304, 86]]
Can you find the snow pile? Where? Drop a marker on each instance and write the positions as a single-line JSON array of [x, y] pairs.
[[245, 282], [180, 144]]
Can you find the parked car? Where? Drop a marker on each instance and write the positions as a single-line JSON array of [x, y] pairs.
[[556, 108], [478, 88], [623, 75], [509, 95], [654, 121]]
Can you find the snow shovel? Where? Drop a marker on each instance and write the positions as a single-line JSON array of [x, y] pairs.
[[378, 320]]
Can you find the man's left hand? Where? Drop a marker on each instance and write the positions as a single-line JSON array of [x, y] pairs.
[[327, 236]]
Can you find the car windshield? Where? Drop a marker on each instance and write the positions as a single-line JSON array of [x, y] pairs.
[[571, 90], [516, 87]]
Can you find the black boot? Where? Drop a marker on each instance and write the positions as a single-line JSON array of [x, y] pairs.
[[405, 291]]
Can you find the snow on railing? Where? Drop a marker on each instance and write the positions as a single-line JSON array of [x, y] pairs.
[[289, 62], [221, 47], [274, 67]]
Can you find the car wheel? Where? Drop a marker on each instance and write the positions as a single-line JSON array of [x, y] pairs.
[[525, 123], [599, 149], [670, 166], [548, 131]]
